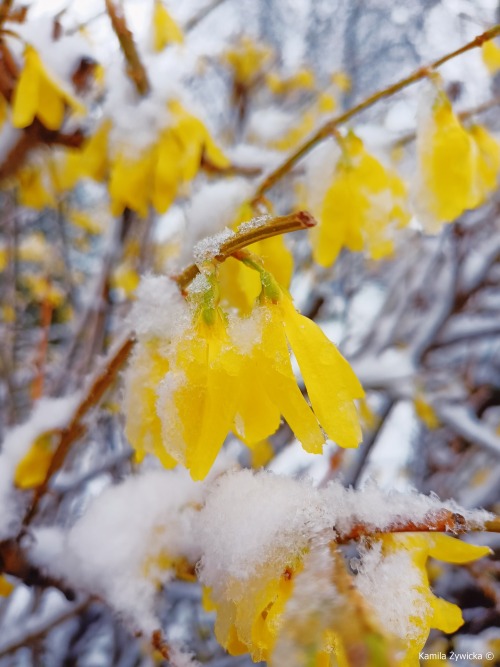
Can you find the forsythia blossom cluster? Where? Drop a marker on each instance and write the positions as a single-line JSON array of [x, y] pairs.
[[223, 372]]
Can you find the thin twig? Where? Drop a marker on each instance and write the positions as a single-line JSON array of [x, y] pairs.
[[135, 69], [276, 226], [201, 15]]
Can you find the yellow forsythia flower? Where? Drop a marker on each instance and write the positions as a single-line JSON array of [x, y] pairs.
[[216, 382], [40, 94], [361, 207], [491, 56], [433, 612], [447, 157], [458, 168], [165, 29], [250, 623], [247, 59], [143, 425], [156, 174]]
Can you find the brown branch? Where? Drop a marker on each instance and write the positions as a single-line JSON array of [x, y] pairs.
[[231, 170], [5, 8], [135, 69], [444, 521], [96, 389], [328, 128], [32, 137], [41, 630], [13, 561], [276, 226], [201, 15]]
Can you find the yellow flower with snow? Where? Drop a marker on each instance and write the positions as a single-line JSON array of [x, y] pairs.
[[447, 157], [231, 373], [155, 175], [248, 621], [361, 208], [165, 29], [247, 59], [431, 611], [40, 94]]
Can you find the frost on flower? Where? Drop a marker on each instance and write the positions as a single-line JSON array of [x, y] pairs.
[[458, 168], [186, 391], [272, 568], [363, 205]]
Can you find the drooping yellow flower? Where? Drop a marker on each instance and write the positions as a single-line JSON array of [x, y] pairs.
[[216, 383], [271, 390], [447, 157], [165, 29], [40, 94], [143, 426], [361, 208], [247, 59], [432, 612], [248, 620], [154, 176]]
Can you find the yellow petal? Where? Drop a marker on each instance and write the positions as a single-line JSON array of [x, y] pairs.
[[33, 467], [6, 587], [26, 94], [143, 427], [331, 383], [281, 387], [452, 550], [447, 162], [165, 29], [51, 108], [491, 56], [446, 616]]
